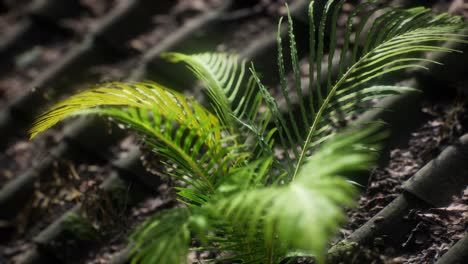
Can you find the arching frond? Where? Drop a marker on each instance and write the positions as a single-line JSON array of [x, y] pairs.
[[304, 214], [155, 97], [176, 126], [394, 41], [220, 74], [163, 238], [236, 98]]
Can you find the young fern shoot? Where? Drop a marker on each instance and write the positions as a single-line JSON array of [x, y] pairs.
[[238, 195]]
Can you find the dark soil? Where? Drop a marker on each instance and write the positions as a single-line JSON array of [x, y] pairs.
[[437, 229]]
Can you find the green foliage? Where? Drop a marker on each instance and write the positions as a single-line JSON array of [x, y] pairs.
[[80, 228], [171, 229], [244, 194], [292, 216]]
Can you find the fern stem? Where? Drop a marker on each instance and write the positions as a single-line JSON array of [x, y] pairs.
[[295, 66], [284, 88], [320, 50], [311, 55], [332, 44], [321, 110], [278, 119], [269, 259]]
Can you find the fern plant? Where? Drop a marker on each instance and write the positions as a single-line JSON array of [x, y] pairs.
[[254, 185]]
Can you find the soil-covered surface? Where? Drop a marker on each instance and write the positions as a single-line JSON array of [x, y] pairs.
[[436, 229], [78, 176]]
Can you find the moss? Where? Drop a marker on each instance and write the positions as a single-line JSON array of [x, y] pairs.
[[120, 193], [80, 228], [351, 252]]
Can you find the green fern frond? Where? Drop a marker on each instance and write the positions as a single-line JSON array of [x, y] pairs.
[[222, 75], [151, 96], [194, 145], [250, 176], [163, 238], [196, 164], [395, 41], [293, 216], [235, 97]]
